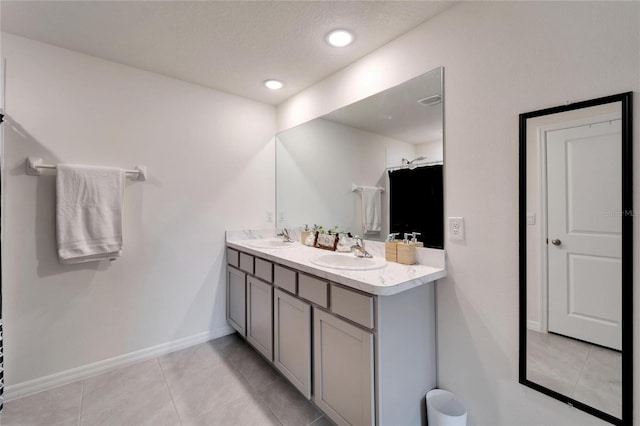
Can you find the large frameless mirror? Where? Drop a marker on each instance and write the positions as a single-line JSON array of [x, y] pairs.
[[388, 145], [576, 255]]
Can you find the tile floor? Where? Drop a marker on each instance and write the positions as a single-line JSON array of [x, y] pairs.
[[221, 382], [582, 371]]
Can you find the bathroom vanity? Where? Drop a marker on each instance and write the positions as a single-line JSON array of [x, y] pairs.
[[359, 343]]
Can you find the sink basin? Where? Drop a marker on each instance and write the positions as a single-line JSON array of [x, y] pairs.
[[348, 262], [271, 244]]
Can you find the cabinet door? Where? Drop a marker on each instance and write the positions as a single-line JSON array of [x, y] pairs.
[[343, 370], [236, 302], [292, 337], [259, 316]]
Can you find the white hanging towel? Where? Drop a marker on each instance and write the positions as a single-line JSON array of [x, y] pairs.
[[371, 210], [89, 213]]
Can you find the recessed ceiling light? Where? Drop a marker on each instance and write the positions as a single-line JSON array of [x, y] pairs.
[[274, 84], [339, 38]]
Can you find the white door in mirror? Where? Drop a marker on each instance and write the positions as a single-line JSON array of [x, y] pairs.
[[584, 251]]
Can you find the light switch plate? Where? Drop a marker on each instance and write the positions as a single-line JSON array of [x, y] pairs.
[[281, 216], [531, 218], [269, 216], [456, 228]]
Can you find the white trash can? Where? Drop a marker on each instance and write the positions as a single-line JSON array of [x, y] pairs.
[[445, 409]]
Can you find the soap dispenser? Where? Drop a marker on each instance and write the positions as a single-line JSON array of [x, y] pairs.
[[304, 234], [391, 248], [407, 251], [414, 239]]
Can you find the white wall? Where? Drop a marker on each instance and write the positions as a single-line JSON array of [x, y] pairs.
[[433, 150], [318, 162], [501, 59], [209, 171]]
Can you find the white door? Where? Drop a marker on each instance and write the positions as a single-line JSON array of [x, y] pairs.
[[584, 232]]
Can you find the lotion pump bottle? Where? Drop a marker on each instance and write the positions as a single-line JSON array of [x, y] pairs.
[[407, 251], [391, 248]]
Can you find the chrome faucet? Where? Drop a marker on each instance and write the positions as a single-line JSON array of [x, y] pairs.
[[285, 236], [358, 248]]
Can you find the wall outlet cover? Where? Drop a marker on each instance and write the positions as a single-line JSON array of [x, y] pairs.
[[456, 228]]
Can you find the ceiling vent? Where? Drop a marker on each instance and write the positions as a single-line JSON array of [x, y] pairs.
[[430, 100]]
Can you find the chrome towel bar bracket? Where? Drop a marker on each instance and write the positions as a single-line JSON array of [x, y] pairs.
[[35, 165]]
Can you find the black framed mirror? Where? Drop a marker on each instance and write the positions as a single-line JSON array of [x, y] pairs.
[[576, 255]]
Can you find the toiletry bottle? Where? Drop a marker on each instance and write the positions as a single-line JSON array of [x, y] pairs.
[[391, 248], [414, 239], [304, 234], [407, 251]]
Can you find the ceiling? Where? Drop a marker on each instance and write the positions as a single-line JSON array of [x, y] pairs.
[[396, 113], [232, 46]]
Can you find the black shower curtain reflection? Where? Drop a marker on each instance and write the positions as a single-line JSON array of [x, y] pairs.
[[416, 203]]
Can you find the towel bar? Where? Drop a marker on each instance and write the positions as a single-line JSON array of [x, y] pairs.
[[34, 165], [355, 187]]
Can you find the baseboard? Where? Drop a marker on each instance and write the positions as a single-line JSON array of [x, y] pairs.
[[47, 382], [534, 326]]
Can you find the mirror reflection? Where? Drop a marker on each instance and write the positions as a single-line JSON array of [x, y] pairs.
[[573, 221], [339, 169]]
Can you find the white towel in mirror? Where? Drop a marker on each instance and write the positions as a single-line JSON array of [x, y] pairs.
[[371, 209]]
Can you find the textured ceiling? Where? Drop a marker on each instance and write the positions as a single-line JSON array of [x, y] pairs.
[[396, 112], [231, 46]]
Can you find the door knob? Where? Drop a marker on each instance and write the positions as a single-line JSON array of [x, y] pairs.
[[556, 242]]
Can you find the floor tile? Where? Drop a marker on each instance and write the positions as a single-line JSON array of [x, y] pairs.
[[231, 346], [253, 367], [600, 384], [132, 395], [55, 407], [288, 405], [200, 392], [322, 421], [244, 411], [223, 343], [222, 382], [193, 359], [555, 361]]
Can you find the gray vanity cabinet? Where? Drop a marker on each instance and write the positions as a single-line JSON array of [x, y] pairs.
[[236, 299], [363, 359], [292, 340], [259, 314], [343, 370]]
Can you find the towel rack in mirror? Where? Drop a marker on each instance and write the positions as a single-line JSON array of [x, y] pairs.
[[34, 166], [355, 187]]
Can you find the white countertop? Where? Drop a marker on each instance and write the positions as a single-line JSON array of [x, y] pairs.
[[393, 278]]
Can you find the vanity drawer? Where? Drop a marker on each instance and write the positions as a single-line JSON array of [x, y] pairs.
[[313, 289], [264, 270], [357, 307], [284, 278], [246, 262], [233, 257]]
